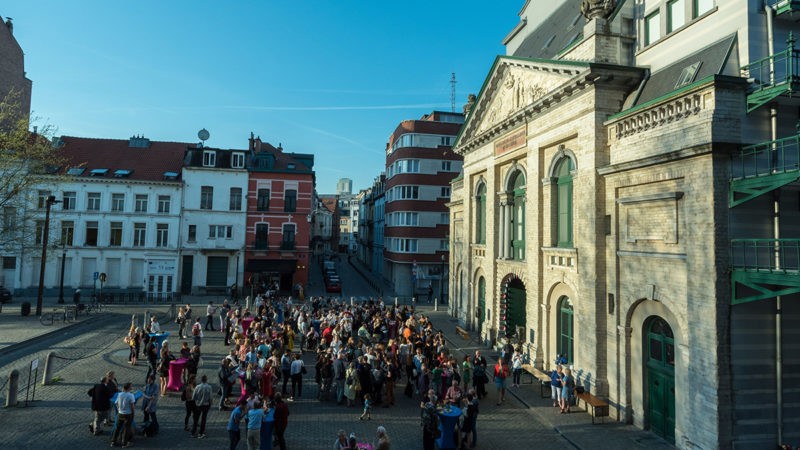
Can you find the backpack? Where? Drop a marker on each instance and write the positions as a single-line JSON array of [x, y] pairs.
[[196, 329]]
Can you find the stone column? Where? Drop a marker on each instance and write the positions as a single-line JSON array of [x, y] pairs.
[[501, 252]]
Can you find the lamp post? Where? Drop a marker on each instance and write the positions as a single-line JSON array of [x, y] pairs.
[[441, 282], [63, 262], [51, 200]]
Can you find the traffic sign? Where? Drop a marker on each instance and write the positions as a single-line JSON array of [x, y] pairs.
[[103, 277], [35, 364], [96, 276]]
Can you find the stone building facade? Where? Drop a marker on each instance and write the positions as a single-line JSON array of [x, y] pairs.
[[623, 166]]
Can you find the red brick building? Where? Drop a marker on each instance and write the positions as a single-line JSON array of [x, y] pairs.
[[279, 205]]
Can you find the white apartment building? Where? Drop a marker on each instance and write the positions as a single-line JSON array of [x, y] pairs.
[[118, 214], [213, 221]]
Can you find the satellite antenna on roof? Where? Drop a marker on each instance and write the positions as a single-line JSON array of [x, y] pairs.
[[203, 135]]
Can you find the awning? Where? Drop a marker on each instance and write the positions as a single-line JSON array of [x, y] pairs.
[[271, 265]]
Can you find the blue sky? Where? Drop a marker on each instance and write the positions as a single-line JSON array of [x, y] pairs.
[[332, 78]]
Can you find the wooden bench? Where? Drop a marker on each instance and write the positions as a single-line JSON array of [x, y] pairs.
[[543, 378], [464, 333], [599, 407]]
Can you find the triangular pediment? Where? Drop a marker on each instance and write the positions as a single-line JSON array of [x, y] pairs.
[[512, 85]]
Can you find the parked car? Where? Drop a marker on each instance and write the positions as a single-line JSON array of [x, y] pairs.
[[333, 286], [5, 295]]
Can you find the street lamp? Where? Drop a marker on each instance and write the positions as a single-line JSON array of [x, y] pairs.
[[441, 282], [61, 284], [51, 200]]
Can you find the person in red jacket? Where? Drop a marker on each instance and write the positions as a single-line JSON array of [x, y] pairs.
[[500, 375], [281, 420]]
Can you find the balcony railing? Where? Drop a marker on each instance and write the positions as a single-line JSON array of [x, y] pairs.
[[768, 158], [766, 255], [772, 76]]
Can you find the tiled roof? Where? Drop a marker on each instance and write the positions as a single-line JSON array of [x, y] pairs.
[[331, 204], [147, 163]]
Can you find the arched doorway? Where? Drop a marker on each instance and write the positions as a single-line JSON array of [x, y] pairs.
[[512, 307], [481, 313], [660, 377], [566, 333]]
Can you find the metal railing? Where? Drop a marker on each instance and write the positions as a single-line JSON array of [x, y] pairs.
[[766, 255], [781, 68], [767, 158]]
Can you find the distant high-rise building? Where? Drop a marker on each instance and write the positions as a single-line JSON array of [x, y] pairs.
[[419, 168], [344, 186]]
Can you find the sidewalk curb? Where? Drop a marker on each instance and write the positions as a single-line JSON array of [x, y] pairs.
[[42, 337]]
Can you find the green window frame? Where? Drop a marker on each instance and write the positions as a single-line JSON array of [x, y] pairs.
[[518, 217], [700, 7], [660, 345], [480, 215], [563, 203], [566, 335], [652, 27], [676, 14]]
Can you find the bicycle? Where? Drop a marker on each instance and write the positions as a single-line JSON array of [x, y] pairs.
[[54, 316]]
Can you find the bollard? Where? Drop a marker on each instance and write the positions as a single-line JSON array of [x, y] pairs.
[[395, 302], [436, 304], [47, 376], [13, 387], [145, 319]]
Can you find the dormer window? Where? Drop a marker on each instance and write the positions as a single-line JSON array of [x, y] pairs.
[[122, 173], [290, 166], [687, 75], [75, 171], [170, 175], [209, 158], [237, 160], [98, 172]]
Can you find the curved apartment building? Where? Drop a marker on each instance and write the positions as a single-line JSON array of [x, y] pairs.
[[419, 167]]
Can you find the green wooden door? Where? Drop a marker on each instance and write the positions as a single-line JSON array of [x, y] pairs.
[[516, 309], [661, 379], [481, 303]]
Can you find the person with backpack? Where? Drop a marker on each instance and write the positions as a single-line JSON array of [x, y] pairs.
[[197, 332]]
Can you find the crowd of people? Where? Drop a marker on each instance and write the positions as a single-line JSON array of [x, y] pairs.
[[361, 353]]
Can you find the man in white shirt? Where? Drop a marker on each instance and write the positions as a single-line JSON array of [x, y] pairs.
[[296, 372], [155, 327], [126, 405], [210, 311]]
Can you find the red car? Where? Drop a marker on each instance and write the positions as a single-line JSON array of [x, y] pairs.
[[333, 286]]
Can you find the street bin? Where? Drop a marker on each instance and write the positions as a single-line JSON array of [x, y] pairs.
[[26, 308]]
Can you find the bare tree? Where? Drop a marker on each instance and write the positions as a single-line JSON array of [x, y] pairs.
[[30, 170]]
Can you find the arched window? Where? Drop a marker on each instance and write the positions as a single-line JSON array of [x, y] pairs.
[[661, 344], [518, 218], [563, 174], [480, 215], [565, 330]]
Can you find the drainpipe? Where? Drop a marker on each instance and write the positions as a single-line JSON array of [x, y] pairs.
[[773, 117]]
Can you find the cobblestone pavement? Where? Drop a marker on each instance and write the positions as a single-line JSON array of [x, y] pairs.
[[61, 412]]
